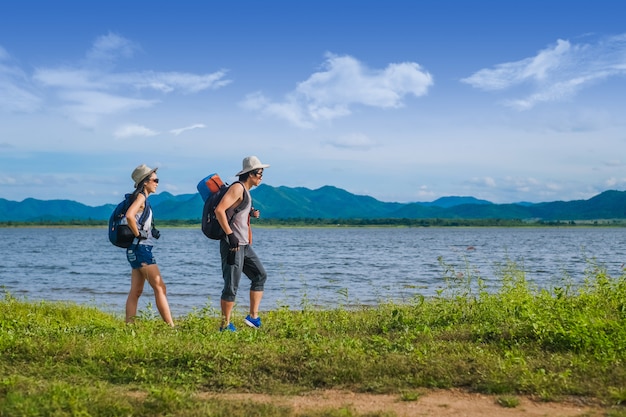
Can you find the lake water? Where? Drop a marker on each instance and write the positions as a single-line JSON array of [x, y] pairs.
[[324, 267]]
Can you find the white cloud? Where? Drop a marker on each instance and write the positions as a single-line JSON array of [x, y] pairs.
[[177, 132], [346, 81], [489, 182], [509, 185], [484, 181], [68, 78], [343, 83], [164, 82], [289, 110], [91, 89], [511, 73], [107, 49], [424, 193], [615, 182], [16, 93], [172, 81], [552, 186], [8, 180], [614, 163], [87, 107], [356, 141], [131, 130], [554, 92], [555, 73]]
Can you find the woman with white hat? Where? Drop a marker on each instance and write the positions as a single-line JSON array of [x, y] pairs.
[[139, 254]]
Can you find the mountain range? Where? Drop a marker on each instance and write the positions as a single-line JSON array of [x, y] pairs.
[[330, 202]]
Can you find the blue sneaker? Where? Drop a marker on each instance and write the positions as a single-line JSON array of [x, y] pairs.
[[230, 328], [256, 323]]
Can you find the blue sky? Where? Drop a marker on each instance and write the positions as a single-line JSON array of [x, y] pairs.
[[400, 100]]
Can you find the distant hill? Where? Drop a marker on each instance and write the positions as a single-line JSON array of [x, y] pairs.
[[51, 210], [331, 203], [326, 202], [447, 202]]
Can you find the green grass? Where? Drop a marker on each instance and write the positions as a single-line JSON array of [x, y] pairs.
[[508, 401], [61, 359]]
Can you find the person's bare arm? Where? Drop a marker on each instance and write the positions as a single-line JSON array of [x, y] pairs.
[[233, 197], [132, 211]]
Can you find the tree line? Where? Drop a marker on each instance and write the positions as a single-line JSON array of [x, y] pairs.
[[319, 222]]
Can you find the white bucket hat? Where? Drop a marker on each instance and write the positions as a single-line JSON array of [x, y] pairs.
[[250, 163], [141, 173]]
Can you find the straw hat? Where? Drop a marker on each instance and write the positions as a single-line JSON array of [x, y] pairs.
[[141, 173], [250, 163]]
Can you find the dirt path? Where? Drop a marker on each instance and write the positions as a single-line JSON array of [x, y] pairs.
[[440, 403]]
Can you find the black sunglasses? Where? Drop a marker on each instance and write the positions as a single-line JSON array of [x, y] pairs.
[[156, 180]]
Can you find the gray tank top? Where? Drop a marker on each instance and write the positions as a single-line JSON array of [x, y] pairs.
[[240, 222]]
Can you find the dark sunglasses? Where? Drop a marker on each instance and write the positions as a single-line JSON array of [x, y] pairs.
[[258, 173], [156, 180]]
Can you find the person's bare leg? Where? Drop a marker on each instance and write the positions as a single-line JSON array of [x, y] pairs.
[[137, 282], [227, 309], [255, 302], [160, 292]]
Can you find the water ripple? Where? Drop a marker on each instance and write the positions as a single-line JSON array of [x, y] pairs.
[[322, 267]]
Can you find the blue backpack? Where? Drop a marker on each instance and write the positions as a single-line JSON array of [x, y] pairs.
[[120, 234], [212, 189]]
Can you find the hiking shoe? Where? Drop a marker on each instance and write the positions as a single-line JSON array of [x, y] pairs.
[[256, 323], [230, 328]]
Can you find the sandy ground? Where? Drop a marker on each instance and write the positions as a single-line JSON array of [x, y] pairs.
[[430, 403]]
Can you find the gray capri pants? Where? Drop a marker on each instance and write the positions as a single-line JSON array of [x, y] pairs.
[[246, 261]]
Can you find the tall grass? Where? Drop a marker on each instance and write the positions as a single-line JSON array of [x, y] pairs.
[[66, 359]]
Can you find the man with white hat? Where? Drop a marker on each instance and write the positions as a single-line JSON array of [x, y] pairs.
[[233, 214]]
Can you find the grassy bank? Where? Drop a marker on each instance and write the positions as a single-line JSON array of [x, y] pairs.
[[64, 359]]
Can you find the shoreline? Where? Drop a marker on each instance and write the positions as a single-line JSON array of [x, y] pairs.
[[454, 224]]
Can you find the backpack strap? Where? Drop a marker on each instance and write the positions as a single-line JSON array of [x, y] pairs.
[[246, 197], [146, 210], [243, 203]]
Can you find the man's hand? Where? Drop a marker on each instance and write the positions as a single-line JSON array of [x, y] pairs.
[[233, 242], [142, 235]]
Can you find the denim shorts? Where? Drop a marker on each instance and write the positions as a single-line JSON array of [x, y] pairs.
[[139, 256]]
